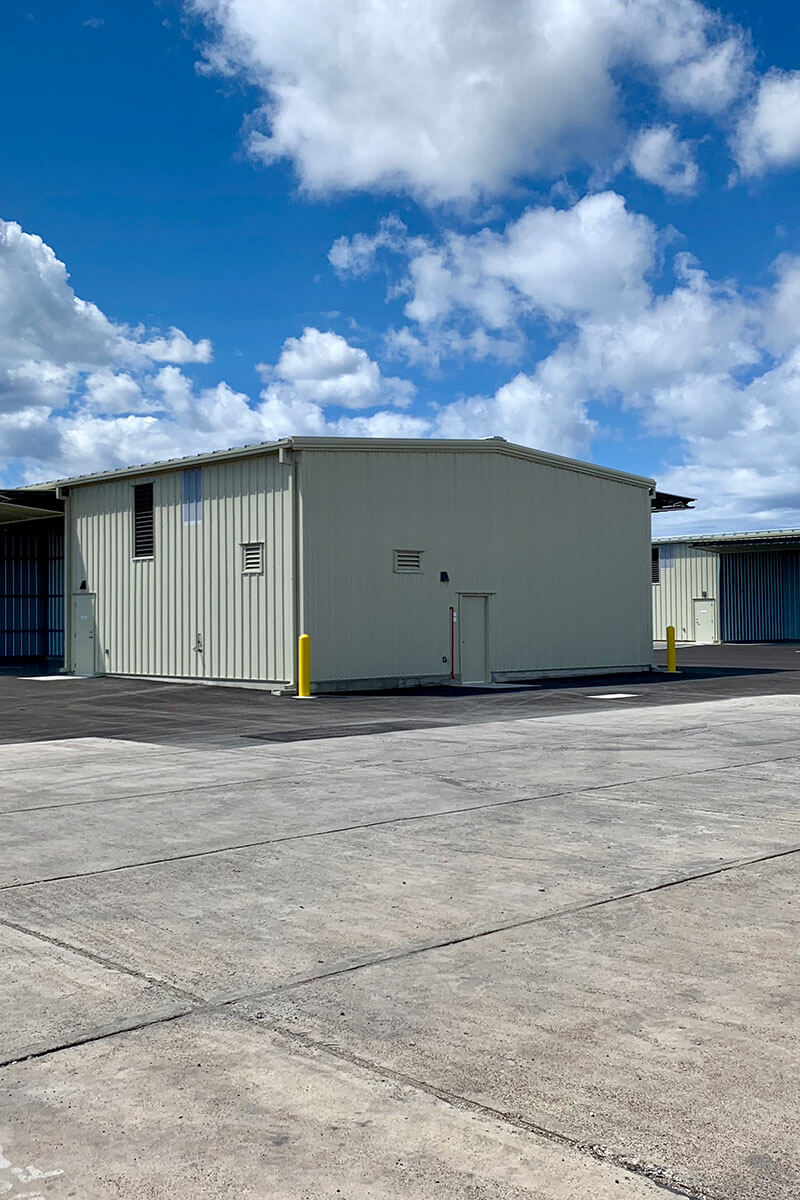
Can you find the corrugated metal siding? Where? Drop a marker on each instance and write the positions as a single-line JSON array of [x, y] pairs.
[[55, 592], [564, 556], [685, 573], [31, 591], [760, 596], [189, 611]]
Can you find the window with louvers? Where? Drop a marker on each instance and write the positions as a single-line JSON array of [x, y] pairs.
[[655, 569], [143, 522]]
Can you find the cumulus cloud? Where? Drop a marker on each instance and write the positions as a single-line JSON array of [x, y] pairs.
[[323, 368], [450, 100], [80, 392], [533, 410], [768, 135], [709, 365], [49, 337], [659, 156], [471, 292]]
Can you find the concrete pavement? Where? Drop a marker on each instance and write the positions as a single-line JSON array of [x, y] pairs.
[[537, 956]]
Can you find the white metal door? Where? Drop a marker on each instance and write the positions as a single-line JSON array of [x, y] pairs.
[[705, 624], [472, 639], [83, 640]]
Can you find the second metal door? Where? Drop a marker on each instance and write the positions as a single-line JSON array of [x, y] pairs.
[[84, 655], [705, 623]]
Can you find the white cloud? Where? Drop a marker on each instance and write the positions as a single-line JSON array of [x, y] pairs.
[[452, 99], [709, 365], [554, 264], [658, 156], [177, 348], [782, 310], [713, 80], [80, 392], [533, 410], [768, 135], [41, 318], [113, 392], [324, 369]]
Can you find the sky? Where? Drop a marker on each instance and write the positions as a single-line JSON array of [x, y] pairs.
[[570, 223]]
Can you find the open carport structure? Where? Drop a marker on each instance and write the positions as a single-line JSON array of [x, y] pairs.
[[31, 580]]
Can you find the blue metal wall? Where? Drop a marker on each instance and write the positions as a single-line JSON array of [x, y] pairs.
[[760, 596], [31, 591]]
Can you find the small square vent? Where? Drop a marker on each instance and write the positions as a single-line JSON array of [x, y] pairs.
[[407, 562], [253, 558]]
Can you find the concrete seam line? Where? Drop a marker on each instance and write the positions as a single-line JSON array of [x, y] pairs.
[[663, 1178], [200, 787], [296, 837], [98, 1035], [522, 923], [671, 1181], [101, 960]]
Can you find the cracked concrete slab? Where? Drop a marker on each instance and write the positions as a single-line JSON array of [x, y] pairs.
[[261, 916], [50, 994], [619, 1024], [211, 1106], [665, 1026]]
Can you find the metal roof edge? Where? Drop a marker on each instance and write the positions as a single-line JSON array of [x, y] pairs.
[[714, 538], [166, 464], [492, 445]]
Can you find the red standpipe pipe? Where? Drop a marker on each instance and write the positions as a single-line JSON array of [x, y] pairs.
[[452, 642]]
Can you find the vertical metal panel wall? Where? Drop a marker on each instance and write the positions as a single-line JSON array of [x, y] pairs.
[[191, 611], [685, 573], [563, 554], [760, 595]]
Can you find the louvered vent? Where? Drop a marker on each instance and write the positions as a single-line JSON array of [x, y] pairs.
[[143, 524], [253, 558], [408, 562], [655, 565]]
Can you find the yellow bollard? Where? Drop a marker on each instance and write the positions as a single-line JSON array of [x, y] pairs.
[[303, 666], [671, 665]]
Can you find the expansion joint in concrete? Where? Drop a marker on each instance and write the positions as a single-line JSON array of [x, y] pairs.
[[672, 1182], [101, 960]]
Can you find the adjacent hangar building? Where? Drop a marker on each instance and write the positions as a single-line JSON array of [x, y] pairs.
[[406, 562], [733, 587]]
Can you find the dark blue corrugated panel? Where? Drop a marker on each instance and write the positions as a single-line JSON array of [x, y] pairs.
[[759, 593], [31, 592], [791, 596], [55, 593]]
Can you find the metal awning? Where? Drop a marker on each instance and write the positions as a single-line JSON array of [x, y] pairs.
[[17, 504], [669, 502]]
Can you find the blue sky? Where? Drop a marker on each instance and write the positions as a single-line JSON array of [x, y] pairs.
[[574, 225]]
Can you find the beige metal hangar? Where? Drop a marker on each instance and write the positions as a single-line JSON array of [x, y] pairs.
[[406, 562]]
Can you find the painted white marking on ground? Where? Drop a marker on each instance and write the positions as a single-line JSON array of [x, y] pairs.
[[612, 695], [23, 1175], [48, 678]]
